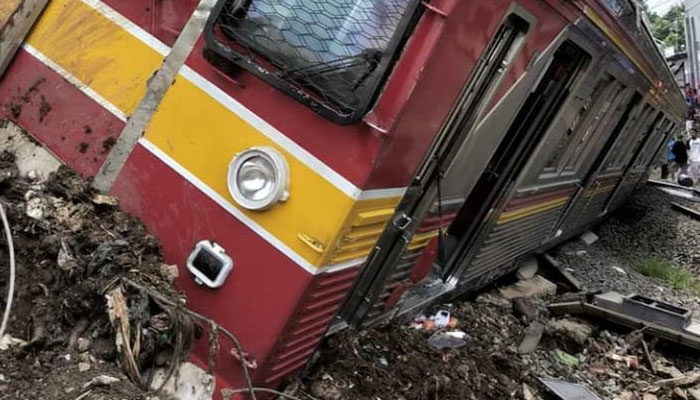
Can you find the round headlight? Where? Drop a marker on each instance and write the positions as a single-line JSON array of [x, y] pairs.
[[258, 178]]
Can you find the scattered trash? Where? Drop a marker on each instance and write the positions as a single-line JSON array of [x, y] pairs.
[[532, 288], [441, 319], [566, 358], [569, 391], [531, 338], [448, 340], [101, 380]]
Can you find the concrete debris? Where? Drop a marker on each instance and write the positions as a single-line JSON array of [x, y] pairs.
[[527, 392], [104, 200], [8, 341], [569, 333], [528, 269], [524, 309], [536, 287], [83, 366], [170, 272], [531, 338], [84, 345], [589, 238], [694, 393], [680, 394]]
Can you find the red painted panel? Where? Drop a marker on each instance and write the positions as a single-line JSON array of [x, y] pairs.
[[349, 150], [264, 288], [162, 19], [469, 30], [72, 125]]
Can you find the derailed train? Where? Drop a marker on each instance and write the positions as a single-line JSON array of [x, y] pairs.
[[316, 165]]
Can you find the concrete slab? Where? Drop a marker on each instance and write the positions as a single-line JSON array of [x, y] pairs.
[[531, 288], [589, 238], [32, 159], [16, 19]]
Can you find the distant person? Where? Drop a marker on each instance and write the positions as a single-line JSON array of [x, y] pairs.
[[667, 167], [694, 155], [680, 153]]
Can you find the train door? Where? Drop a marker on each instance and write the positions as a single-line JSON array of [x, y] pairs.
[[583, 195], [633, 153], [532, 122], [393, 256]]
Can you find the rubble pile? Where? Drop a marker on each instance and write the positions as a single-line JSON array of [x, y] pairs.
[[77, 328], [511, 341]]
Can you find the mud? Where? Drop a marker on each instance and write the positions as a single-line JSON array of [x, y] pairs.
[[71, 247]]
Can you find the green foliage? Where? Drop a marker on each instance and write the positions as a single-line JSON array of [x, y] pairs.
[[677, 278], [668, 28]]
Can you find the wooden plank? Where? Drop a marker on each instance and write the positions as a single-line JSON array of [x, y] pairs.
[[16, 19]]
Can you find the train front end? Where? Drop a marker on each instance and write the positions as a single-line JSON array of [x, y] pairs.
[[243, 134]]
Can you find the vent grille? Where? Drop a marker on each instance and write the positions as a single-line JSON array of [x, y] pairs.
[[523, 225], [308, 327], [359, 238]]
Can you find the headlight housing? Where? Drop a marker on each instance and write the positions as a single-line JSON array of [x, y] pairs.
[[258, 178]]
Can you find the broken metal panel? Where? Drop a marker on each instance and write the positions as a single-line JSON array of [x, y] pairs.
[[569, 391], [658, 319], [16, 19]]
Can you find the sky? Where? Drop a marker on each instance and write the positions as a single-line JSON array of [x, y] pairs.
[[661, 6]]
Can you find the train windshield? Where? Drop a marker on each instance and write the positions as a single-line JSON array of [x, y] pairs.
[[331, 49]]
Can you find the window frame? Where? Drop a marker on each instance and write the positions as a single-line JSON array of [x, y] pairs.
[[376, 81]]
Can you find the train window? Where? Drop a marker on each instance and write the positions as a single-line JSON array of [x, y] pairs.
[[652, 149], [588, 107], [623, 146], [611, 107], [329, 54], [640, 136]]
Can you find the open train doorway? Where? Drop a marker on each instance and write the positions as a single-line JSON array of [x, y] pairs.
[[531, 124]]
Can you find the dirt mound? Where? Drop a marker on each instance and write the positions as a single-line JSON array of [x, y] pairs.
[[73, 249], [398, 362]]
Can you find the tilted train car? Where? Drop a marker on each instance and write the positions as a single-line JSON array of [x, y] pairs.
[[313, 165]]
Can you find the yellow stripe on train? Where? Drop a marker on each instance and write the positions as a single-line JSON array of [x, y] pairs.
[[515, 215], [318, 221], [97, 51]]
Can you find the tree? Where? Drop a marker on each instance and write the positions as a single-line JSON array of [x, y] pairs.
[[668, 28]]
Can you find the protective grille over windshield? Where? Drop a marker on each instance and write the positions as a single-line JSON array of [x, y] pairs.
[[330, 54]]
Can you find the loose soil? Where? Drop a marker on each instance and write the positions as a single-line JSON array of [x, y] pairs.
[[395, 361], [71, 246]]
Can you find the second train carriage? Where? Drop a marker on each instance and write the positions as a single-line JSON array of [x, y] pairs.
[[322, 164]]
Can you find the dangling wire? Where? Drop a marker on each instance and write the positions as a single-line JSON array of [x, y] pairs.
[[11, 288]]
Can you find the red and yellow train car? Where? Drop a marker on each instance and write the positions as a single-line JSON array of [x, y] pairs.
[[313, 165]]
